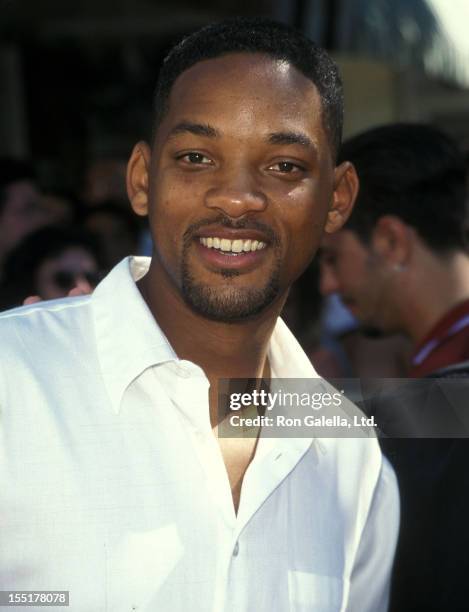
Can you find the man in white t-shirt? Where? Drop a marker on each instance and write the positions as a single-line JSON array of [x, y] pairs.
[[113, 485]]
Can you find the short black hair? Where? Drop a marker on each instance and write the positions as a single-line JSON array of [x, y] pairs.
[[415, 172], [263, 36], [11, 171]]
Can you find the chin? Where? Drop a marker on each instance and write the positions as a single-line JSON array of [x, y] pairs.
[[233, 298], [229, 305]]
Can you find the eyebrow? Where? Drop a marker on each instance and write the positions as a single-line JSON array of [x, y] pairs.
[[292, 138], [276, 138], [198, 129]]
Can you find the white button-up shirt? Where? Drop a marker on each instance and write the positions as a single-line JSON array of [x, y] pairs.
[[113, 487]]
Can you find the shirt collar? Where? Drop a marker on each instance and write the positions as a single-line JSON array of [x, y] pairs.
[[286, 357], [129, 340]]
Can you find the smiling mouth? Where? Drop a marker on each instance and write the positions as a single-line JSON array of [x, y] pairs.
[[232, 247]]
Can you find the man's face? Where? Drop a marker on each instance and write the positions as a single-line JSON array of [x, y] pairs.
[[354, 271], [240, 184]]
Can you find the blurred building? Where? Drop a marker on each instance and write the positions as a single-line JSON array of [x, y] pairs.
[[77, 78]]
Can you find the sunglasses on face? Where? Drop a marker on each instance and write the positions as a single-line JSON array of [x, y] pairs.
[[67, 280]]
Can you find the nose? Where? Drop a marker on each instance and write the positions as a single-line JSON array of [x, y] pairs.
[[236, 194], [328, 281]]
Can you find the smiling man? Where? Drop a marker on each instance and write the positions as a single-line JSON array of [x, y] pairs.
[[109, 451]]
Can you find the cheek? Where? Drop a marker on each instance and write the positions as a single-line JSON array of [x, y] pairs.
[[355, 275], [175, 199], [364, 283], [301, 246], [164, 240], [304, 218], [174, 207], [167, 213]]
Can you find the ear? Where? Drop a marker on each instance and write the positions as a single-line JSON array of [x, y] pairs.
[[346, 186], [137, 178], [393, 239]]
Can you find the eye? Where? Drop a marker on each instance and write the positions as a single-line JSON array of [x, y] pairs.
[[196, 159], [286, 167]]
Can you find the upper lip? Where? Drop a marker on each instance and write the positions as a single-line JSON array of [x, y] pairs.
[[232, 234]]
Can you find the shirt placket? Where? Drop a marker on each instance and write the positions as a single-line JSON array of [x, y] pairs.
[[192, 399]]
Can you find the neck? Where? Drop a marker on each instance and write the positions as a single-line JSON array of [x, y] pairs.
[[433, 291], [222, 350]]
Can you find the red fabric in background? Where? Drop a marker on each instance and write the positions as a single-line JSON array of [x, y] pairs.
[[449, 349]]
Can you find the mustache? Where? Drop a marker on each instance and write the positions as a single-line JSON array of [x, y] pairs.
[[229, 223]]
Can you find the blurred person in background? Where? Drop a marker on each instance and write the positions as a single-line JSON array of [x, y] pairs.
[[302, 314], [400, 265], [20, 204], [348, 351], [467, 195], [302, 308], [105, 180], [49, 263], [60, 208], [115, 229]]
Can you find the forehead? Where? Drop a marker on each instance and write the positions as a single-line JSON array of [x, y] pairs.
[[246, 89]]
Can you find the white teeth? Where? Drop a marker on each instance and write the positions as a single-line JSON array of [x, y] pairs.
[[237, 246], [233, 246]]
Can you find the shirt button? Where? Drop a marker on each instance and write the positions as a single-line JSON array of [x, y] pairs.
[[236, 550]]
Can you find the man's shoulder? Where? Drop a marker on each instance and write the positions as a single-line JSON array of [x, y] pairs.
[[40, 328], [44, 312]]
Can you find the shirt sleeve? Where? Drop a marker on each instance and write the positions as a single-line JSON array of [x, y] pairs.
[[371, 574]]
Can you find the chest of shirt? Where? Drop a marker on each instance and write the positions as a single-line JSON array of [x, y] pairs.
[[143, 494]]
